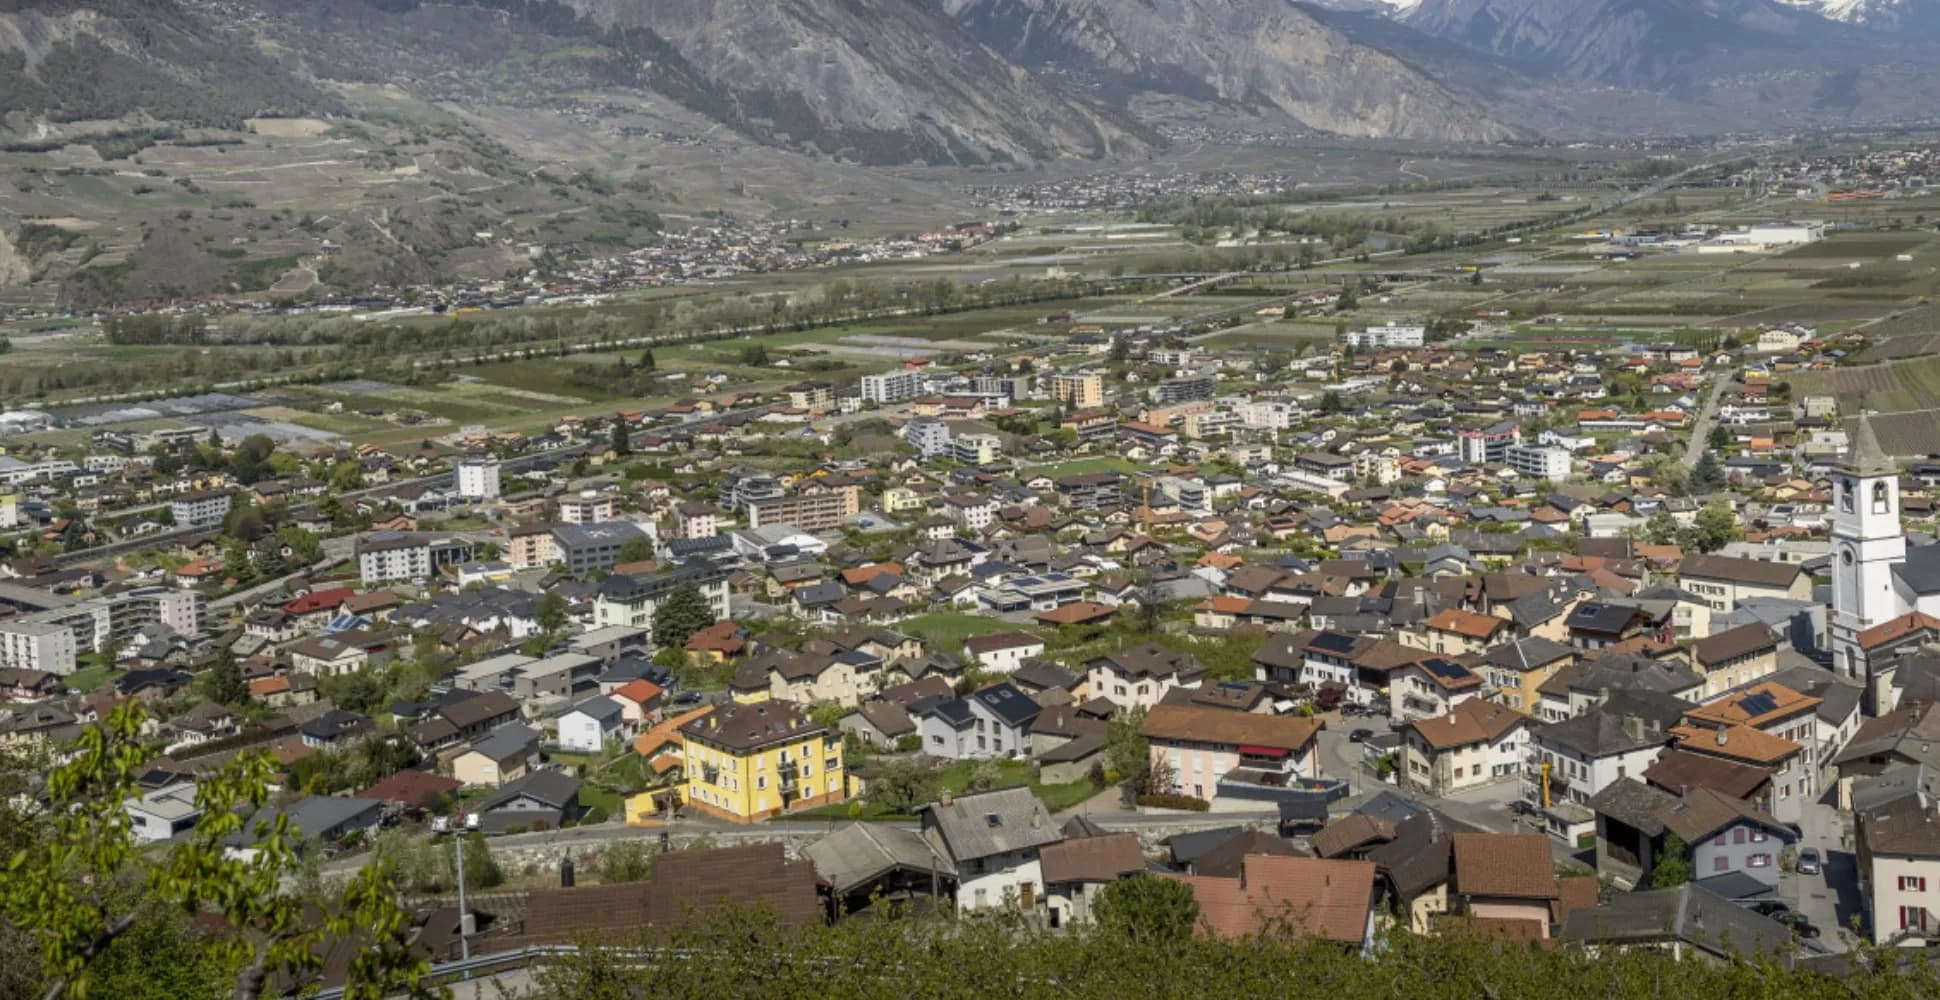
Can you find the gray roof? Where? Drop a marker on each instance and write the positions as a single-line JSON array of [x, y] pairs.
[[1921, 570], [1688, 913], [978, 826], [602, 709], [310, 816], [554, 788], [507, 741], [1006, 702], [1864, 456], [1527, 654], [860, 853]]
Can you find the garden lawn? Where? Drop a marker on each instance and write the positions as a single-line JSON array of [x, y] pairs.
[[946, 630]]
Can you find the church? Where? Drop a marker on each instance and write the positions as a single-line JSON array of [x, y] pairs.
[[1885, 597]]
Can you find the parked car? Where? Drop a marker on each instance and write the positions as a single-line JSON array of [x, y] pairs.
[[1359, 735], [1523, 807], [1797, 923], [688, 698], [1768, 908], [1810, 863]]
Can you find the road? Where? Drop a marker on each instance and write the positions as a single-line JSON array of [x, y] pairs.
[[1830, 899], [1707, 414]]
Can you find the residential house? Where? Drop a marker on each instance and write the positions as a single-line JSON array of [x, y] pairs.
[[590, 725], [1723, 581], [993, 840], [1077, 871], [1210, 753], [1725, 840], [744, 763], [1475, 743], [1310, 898], [1139, 676], [506, 754], [993, 722]]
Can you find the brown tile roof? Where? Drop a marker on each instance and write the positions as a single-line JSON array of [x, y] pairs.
[[1218, 725], [1473, 721], [1307, 897], [1732, 643], [667, 733], [1750, 572], [1467, 623], [1092, 859], [686, 886], [1756, 706], [1349, 832], [411, 788], [1228, 860], [1574, 892], [1075, 613], [1504, 864], [1679, 770], [740, 729], [1734, 742]]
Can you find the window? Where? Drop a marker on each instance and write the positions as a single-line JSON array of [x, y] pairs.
[[1719, 841], [1913, 883], [938, 740], [808, 769], [1738, 835], [1913, 918], [1759, 861], [1845, 502], [1720, 864], [760, 782], [1760, 836], [1881, 503]]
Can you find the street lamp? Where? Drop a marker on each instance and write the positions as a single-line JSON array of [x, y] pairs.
[[443, 825]]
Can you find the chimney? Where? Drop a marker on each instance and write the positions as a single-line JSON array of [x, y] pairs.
[[1633, 727], [945, 797], [1723, 737]]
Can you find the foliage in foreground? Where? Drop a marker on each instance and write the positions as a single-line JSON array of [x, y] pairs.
[[747, 956]]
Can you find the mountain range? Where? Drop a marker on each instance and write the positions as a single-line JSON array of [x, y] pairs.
[[1002, 81]]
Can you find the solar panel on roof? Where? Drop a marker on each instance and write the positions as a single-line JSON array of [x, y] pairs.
[[1445, 668], [1758, 704], [1333, 643]]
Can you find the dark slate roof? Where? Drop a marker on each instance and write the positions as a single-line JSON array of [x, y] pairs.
[[1687, 913], [1006, 702]]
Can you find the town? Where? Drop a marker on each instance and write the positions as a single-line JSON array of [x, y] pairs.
[[1264, 592]]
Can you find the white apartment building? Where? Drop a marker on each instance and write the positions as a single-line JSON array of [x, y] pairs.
[[206, 507], [37, 646], [1539, 461], [891, 387], [588, 507], [1379, 337], [478, 478]]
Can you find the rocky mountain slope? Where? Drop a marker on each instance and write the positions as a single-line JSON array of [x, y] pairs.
[[1260, 53]]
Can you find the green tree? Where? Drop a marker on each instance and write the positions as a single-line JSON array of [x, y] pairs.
[[684, 612], [903, 783], [1147, 909], [1128, 752], [79, 885], [1714, 527], [635, 550], [626, 861], [1673, 865], [1121, 350], [1720, 437], [1661, 528], [551, 613], [646, 360], [621, 443], [1330, 402], [1707, 476], [223, 684]]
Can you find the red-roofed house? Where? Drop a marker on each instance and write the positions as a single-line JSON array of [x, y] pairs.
[[319, 602], [640, 702]]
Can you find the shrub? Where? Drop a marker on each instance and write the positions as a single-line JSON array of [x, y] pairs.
[[593, 815]]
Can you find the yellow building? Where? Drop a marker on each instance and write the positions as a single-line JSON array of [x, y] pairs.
[[745, 763], [897, 499]]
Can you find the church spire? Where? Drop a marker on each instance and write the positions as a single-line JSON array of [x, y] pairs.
[[1864, 456]]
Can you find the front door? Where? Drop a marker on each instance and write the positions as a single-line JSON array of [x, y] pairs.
[[1027, 895]]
